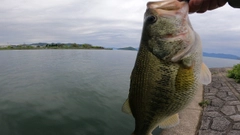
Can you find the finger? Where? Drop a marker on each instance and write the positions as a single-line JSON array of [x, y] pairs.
[[204, 6], [194, 5], [197, 2], [221, 2], [213, 4]]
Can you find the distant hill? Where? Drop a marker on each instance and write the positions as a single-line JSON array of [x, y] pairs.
[[52, 46], [39, 44], [44, 44], [128, 48], [221, 55]]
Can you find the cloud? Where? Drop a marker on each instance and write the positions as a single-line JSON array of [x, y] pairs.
[[219, 30], [107, 23], [71, 21]]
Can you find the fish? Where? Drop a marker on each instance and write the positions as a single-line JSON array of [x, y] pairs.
[[168, 69]]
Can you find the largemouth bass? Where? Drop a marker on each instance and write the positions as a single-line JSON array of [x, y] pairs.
[[168, 68]]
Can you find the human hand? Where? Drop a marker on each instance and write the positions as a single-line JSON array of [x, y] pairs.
[[201, 6]]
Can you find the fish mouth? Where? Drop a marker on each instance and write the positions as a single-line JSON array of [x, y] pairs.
[[169, 7]]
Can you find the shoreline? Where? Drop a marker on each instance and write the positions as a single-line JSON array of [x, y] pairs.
[[56, 49]]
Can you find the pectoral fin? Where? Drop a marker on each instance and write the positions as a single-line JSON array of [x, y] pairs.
[[126, 107], [206, 76], [170, 121]]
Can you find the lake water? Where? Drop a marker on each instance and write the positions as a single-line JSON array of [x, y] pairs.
[[68, 92]]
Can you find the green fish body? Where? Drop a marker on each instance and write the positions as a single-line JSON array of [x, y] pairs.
[[168, 68]]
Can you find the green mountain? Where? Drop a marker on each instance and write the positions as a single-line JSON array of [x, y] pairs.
[[127, 48]]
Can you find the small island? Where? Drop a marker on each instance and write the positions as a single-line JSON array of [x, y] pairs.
[[128, 48], [51, 46]]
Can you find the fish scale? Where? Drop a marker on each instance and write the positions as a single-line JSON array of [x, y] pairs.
[[141, 85]]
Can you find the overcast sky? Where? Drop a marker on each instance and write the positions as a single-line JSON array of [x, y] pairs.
[[108, 23]]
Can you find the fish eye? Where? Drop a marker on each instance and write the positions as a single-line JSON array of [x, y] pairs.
[[151, 19]]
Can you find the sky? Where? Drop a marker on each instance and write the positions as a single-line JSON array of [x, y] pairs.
[[107, 23]]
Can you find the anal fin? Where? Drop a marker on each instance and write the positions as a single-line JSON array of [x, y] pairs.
[[170, 121]]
